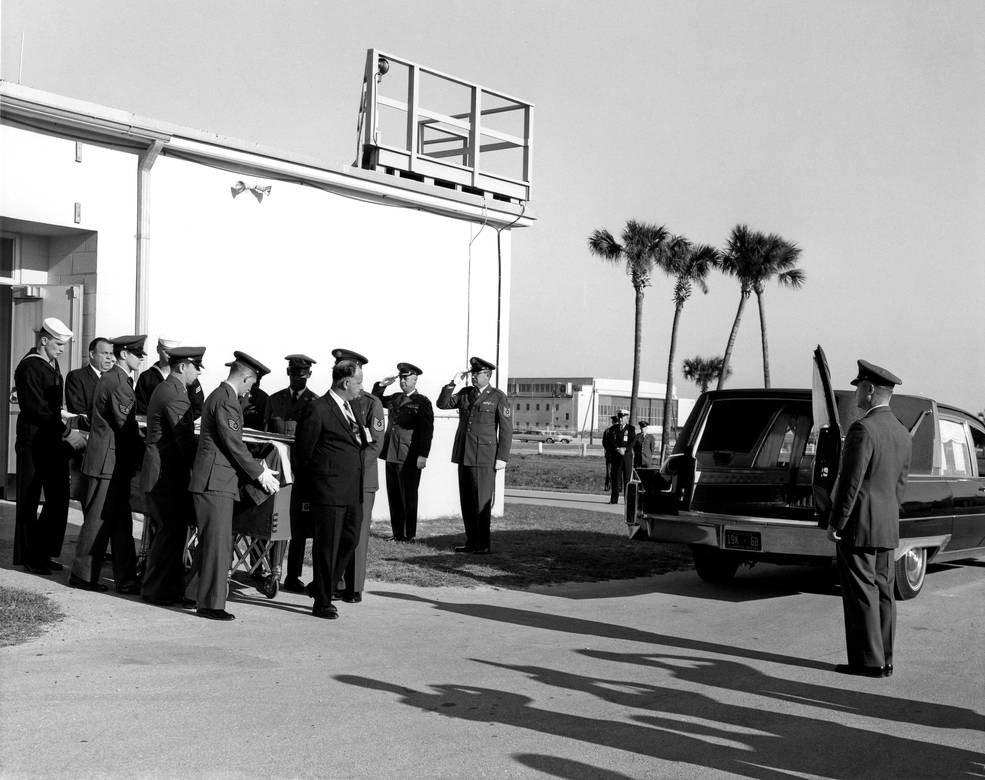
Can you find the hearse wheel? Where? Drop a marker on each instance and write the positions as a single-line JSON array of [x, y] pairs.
[[714, 565], [911, 571]]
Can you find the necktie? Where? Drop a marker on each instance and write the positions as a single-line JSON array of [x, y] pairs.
[[353, 425]]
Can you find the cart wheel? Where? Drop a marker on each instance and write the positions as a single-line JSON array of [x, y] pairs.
[[269, 587]]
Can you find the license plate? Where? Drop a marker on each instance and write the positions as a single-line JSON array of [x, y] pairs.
[[743, 540]]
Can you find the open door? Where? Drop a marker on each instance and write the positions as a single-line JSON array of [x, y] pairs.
[[827, 427]]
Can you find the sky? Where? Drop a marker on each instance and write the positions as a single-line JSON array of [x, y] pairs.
[[854, 129]]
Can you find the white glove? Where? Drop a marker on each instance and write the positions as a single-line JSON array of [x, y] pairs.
[[268, 480], [500, 465]]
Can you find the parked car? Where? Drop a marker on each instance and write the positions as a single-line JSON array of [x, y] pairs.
[[548, 437], [751, 474]]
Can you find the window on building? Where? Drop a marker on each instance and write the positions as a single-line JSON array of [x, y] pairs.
[[567, 416], [528, 407], [537, 407]]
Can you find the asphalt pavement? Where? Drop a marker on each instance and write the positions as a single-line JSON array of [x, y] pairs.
[[662, 677]]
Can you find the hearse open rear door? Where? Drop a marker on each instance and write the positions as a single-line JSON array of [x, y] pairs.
[[827, 451]]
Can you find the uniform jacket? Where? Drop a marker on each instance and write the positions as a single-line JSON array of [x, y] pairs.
[[39, 397], [222, 459], [80, 387], [151, 378], [410, 428], [871, 480], [327, 455], [648, 451], [281, 409], [254, 408], [369, 413], [485, 424], [170, 438], [114, 445], [623, 436], [608, 441]]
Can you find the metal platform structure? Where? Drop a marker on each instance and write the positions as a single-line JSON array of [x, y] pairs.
[[420, 124]]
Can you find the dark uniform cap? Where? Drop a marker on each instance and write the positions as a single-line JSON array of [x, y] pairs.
[[478, 364], [877, 375], [406, 369], [134, 344], [299, 361], [348, 354], [191, 354], [643, 423], [252, 362]]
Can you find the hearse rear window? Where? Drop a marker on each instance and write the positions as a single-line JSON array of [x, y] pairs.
[[754, 433]]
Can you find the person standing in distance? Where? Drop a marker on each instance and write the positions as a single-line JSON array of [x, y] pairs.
[[43, 447], [328, 466], [647, 447], [80, 383], [864, 523], [221, 462], [481, 448], [609, 449], [164, 477], [112, 457], [623, 436], [282, 411], [406, 447]]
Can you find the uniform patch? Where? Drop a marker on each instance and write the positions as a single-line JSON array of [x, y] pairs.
[[125, 408], [377, 425], [506, 411], [233, 424]]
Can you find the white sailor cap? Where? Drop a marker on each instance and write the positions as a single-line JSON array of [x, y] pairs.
[[55, 327], [169, 341]]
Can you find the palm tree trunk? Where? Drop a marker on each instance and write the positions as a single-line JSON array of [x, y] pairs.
[[731, 340], [667, 425], [766, 348], [637, 347]]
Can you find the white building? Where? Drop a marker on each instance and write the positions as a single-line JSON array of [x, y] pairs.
[[584, 405], [119, 224]]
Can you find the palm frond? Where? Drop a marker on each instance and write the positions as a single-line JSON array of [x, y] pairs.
[[601, 243]]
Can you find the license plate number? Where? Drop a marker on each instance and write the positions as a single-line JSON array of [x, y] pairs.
[[743, 540]]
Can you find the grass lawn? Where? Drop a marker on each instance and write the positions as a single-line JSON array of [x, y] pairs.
[[23, 614], [532, 545], [556, 472]]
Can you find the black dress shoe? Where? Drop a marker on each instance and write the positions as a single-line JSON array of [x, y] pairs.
[[330, 612], [77, 582], [464, 549], [887, 670], [55, 566], [37, 568], [128, 588], [860, 671], [352, 598], [293, 585], [482, 551], [215, 614]]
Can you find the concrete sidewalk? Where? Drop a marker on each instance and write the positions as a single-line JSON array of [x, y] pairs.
[[663, 677]]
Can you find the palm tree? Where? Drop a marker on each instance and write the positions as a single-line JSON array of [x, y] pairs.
[[777, 258], [703, 371], [640, 244], [690, 265], [738, 260]]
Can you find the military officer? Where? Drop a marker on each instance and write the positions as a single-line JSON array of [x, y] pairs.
[[164, 477], [623, 437], [221, 462], [43, 446], [80, 383], [282, 412], [482, 447], [112, 457], [864, 522], [609, 448], [158, 372], [648, 452], [254, 405], [368, 410], [406, 447]]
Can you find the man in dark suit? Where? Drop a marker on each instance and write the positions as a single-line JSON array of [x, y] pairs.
[[864, 522], [221, 463], [282, 411], [622, 439], [43, 446], [609, 448], [406, 447], [112, 457], [80, 383], [328, 466], [164, 477], [481, 448]]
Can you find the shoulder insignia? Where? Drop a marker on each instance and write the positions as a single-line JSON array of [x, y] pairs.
[[377, 424], [125, 408], [506, 411], [233, 424]]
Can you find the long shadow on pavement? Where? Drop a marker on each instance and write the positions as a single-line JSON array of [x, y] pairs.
[[695, 729]]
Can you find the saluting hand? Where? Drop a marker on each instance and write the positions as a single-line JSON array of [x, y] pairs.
[[388, 380]]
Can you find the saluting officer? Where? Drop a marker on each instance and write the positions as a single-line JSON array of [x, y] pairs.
[[406, 447], [164, 477], [282, 411], [112, 457], [482, 446], [221, 461], [44, 444]]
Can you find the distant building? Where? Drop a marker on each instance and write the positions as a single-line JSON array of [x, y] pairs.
[[584, 405]]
